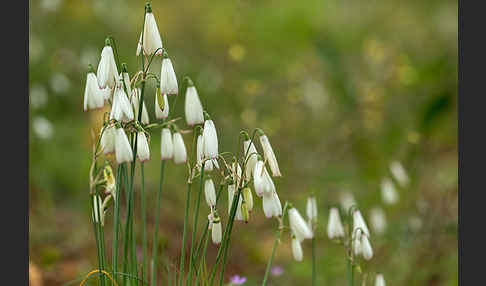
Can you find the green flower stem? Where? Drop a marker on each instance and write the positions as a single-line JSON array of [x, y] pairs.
[[227, 233], [313, 260], [275, 243], [153, 280], [98, 248], [183, 248], [127, 227], [116, 219], [194, 226], [144, 222], [203, 257]]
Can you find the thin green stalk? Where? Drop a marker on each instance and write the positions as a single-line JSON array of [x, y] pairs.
[[98, 249], [116, 219], [275, 243], [350, 272], [226, 235], [194, 226], [313, 260], [153, 280], [203, 256], [183, 250], [127, 232], [144, 223]]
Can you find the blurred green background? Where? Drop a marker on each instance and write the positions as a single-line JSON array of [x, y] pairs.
[[341, 87]]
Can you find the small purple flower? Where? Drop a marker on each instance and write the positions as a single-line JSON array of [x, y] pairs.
[[277, 271], [237, 280]]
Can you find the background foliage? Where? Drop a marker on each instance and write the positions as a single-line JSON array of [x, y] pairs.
[[341, 87]]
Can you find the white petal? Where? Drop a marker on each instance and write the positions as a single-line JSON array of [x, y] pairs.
[[335, 228], [210, 192], [151, 36], [367, 251], [298, 225], [388, 192], [358, 222], [193, 108], [311, 208], [380, 280], [297, 249], [210, 140], [168, 79], [123, 150], [216, 232], [161, 114], [180, 153], [107, 140], [143, 151], [270, 156], [166, 146]]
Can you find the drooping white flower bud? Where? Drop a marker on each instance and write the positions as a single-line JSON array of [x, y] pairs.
[[107, 73], [166, 145], [262, 181], [180, 153], [210, 140], [151, 36], [168, 79], [270, 155], [216, 230], [193, 107], [136, 105], [232, 191], [399, 173], [335, 228], [123, 151], [298, 225], [121, 109], [98, 212], [366, 249], [271, 204], [311, 209], [251, 158], [347, 200], [161, 113], [358, 222], [210, 192], [93, 97], [107, 140], [379, 280], [297, 249], [378, 220], [389, 194], [143, 151], [356, 242]]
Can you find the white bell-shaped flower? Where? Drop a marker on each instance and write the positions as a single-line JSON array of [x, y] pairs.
[[399, 173], [180, 153], [107, 140], [251, 158], [151, 36], [297, 249], [121, 109], [107, 73], [210, 140], [378, 220], [335, 228], [168, 79], [93, 97], [262, 181], [389, 194], [231, 194], [359, 223], [136, 105], [366, 249], [347, 200], [161, 113], [216, 231], [193, 106], [166, 145], [298, 225], [311, 209], [143, 151], [271, 204], [379, 280], [270, 155], [210, 192], [356, 242], [123, 151]]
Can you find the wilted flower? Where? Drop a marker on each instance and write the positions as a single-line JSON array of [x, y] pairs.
[[107, 73], [210, 193], [334, 226], [151, 35], [107, 140], [270, 155], [399, 173], [261, 179], [161, 101], [193, 107], [93, 97], [143, 151], [297, 249], [271, 204], [388, 192], [358, 222], [166, 145], [123, 151], [298, 225], [180, 153], [168, 79], [379, 280], [378, 220]]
